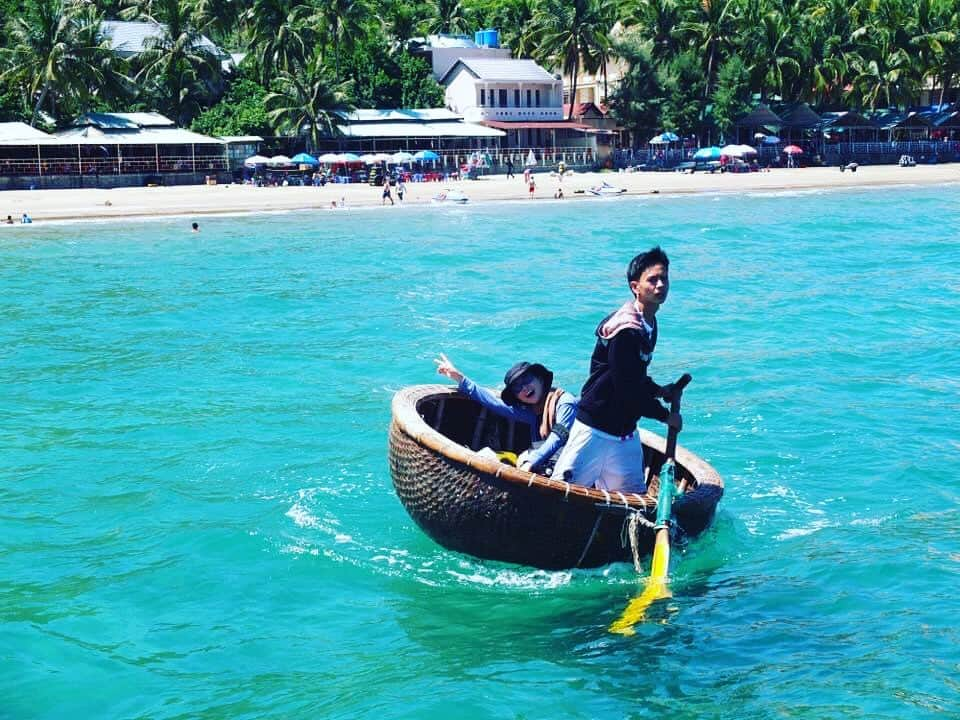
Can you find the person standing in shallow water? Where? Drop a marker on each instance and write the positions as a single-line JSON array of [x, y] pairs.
[[603, 450]]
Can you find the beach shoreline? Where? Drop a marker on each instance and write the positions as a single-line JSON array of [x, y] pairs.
[[211, 200]]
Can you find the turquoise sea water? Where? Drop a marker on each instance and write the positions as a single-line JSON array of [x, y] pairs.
[[197, 518]]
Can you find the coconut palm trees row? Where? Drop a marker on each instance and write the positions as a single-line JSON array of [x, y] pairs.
[[703, 53], [860, 53]]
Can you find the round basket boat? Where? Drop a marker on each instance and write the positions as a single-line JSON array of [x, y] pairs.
[[472, 503]]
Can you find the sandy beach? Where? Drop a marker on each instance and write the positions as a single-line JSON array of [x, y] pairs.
[[194, 200]]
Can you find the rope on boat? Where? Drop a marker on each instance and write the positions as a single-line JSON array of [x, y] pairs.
[[632, 530], [593, 534]]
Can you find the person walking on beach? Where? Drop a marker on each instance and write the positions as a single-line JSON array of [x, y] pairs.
[[401, 188], [386, 192], [532, 186], [603, 450], [509, 167], [9, 220]]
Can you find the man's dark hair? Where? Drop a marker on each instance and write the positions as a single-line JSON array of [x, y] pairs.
[[654, 256]]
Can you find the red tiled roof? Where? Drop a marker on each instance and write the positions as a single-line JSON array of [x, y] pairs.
[[581, 109]]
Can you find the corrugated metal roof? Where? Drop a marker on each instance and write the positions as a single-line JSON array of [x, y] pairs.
[[144, 136], [423, 129], [503, 70], [241, 138], [11, 131], [131, 37], [123, 121], [399, 115]]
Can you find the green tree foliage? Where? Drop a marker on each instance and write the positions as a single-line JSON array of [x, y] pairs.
[[732, 96], [857, 54], [58, 60], [241, 111], [636, 101], [308, 101], [418, 89], [177, 69]]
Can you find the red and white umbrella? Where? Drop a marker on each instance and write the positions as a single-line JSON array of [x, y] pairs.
[[793, 150]]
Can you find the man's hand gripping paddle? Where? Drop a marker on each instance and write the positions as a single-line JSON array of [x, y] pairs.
[[656, 585]]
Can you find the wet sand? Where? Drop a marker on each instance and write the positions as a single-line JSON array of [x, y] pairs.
[[194, 200]]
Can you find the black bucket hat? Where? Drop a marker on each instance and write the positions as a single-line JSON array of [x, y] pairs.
[[516, 372]]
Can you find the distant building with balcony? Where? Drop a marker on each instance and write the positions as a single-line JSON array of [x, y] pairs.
[[516, 96]]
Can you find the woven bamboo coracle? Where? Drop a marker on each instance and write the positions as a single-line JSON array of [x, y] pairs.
[[477, 505]]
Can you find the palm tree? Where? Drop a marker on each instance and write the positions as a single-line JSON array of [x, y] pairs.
[[308, 99], [711, 25], [771, 56], [450, 17], [279, 35], [344, 20], [178, 63], [569, 31], [56, 54], [656, 20]]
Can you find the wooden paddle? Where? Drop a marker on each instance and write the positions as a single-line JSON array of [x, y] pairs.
[[656, 585]]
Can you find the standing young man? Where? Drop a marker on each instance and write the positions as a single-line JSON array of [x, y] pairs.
[[603, 450]]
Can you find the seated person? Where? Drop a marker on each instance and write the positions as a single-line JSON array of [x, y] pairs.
[[530, 398]]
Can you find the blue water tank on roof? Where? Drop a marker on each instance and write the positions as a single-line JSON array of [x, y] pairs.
[[487, 38]]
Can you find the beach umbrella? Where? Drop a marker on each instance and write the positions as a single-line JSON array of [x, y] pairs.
[[304, 159], [664, 138], [347, 158], [401, 157], [770, 140], [255, 160], [279, 161], [793, 150], [531, 159], [328, 158], [732, 150], [426, 155], [707, 153], [370, 159], [747, 150]]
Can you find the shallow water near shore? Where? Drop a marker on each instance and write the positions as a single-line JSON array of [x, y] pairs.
[[198, 519]]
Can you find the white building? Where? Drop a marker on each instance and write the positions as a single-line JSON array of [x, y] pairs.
[[517, 96]]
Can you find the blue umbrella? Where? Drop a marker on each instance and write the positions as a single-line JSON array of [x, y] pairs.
[[669, 136], [305, 159], [707, 153], [770, 140], [426, 155]]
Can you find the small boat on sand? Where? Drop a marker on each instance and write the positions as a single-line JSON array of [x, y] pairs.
[[606, 190], [451, 196], [470, 502]]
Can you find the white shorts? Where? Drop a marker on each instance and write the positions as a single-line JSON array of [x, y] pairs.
[[598, 459]]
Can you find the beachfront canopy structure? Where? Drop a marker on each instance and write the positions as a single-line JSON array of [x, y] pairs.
[[101, 145], [762, 119], [374, 130]]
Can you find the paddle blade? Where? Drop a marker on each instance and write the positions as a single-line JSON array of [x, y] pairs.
[[637, 609], [656, 587]]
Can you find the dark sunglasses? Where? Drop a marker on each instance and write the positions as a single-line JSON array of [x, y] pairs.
[[518, 384]]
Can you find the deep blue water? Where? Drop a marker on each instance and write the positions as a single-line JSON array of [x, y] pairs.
[[197, 518]]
